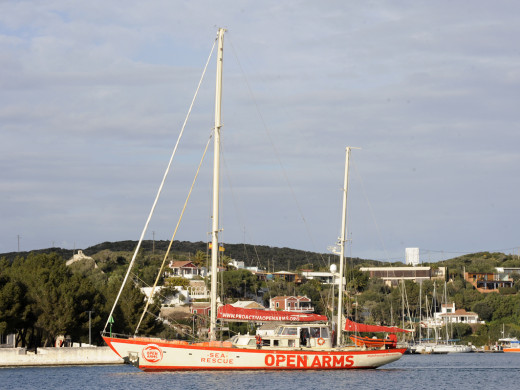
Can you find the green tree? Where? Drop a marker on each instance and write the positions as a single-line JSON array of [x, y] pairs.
[[129, 309], [239, 283], [177, 281], [200, 259], [15, 313], [317, 293]]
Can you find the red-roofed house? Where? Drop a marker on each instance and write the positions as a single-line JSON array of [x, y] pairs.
[[201, 308], [291, 303], [448, 314], [184, 269]]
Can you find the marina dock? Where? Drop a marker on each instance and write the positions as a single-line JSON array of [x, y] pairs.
[[13, 357]]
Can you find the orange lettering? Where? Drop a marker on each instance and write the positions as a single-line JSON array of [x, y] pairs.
[[326, 361], [269, 360], [280, 359], [338, 361], [349, 361], [302, 361], [316, 362], [290, 360]]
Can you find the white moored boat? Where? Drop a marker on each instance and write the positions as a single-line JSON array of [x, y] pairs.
[[297, 344], [510, 345]]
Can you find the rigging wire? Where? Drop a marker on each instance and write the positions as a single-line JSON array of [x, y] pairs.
[[159, 190], [277, 155], [236, 203], [174, 233], [378, 230]]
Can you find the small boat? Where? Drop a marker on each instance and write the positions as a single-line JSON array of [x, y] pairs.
[[510, 345], [440, 348], [300, 343], [373, 342]]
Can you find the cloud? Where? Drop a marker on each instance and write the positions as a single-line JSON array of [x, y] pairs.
[[94, 96]]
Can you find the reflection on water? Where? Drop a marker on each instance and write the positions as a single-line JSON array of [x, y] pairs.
[[457, 371]]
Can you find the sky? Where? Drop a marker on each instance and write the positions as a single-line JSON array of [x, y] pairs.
[[93, 96]]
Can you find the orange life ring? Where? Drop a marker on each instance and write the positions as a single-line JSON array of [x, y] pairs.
[[321, 341]]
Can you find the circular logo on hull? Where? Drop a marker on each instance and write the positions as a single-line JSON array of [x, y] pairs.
[[152, 353]]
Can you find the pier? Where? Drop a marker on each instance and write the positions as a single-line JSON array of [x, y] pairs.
[[13, 357]]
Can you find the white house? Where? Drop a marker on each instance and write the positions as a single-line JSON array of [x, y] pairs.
[[323, 277], [182, 296], [198, 290], [291, 303], [450, 315], [248, 305], [185, 269]]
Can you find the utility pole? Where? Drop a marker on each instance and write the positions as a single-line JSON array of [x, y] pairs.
[[18, 243], [90, 326], [153, 243]]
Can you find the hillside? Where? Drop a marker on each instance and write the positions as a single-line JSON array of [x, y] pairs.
[[260, 256], [40, 297]]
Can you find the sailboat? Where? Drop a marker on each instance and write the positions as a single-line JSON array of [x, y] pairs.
[[448, 346], [298, 343]]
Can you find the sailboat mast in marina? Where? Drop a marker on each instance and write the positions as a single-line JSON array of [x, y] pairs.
[[299, 341], [216, 186], [342, 241]]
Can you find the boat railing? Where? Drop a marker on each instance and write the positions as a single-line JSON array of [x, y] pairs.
[[149, 339]]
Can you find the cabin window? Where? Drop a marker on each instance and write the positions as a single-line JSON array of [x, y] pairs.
[[289, 332], [325, 333]]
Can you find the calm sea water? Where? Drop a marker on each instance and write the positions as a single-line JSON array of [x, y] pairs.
[[454, 371]]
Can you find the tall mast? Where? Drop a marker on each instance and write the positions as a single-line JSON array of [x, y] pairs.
[[342, 251], [420, 309], [216, 188]]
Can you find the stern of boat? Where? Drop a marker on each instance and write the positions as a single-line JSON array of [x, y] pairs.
[[128, 349]]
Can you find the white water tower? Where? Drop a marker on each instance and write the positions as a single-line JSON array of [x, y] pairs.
[[412, 256]]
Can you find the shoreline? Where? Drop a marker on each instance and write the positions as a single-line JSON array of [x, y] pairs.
[[51, 356]]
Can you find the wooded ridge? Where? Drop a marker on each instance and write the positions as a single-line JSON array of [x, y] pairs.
[[42, 298]]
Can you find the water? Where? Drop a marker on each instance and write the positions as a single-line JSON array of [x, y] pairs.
[[455, 371]]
